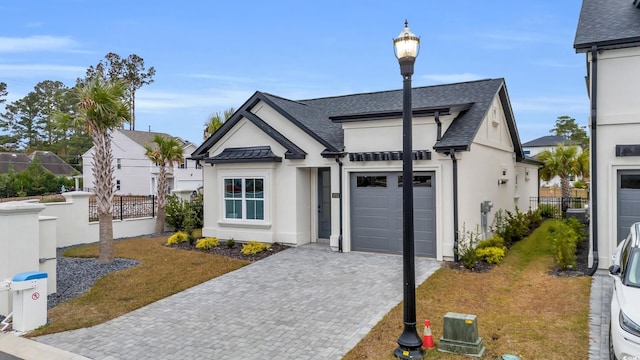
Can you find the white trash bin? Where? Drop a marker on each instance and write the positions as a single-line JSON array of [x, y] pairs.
[[29, 300]]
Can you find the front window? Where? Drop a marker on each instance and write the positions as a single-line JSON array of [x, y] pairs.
[[632, 269], [244, 198]]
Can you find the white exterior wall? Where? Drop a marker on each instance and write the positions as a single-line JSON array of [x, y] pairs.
[[618, 121]]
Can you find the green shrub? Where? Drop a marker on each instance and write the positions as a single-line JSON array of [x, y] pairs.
[[548, 211], [177, 238], [491, 254], [494, 241], [564, 240], [207, 243], [231, 243], [184, 215], [254, 247], [535, 218], [467, 242]]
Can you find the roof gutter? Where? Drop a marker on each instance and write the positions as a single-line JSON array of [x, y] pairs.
[[436, 116], [594, 159], [337, 155], [455, 205]]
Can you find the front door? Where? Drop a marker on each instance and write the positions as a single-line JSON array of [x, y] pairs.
[[324, 203]]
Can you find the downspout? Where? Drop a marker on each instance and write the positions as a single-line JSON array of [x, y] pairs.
[[594, 159], [340, 190], [455, 205], [436, 116]]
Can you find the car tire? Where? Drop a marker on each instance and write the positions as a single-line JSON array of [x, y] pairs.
[[612, 354]]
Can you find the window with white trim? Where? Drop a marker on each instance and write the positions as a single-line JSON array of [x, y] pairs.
[[244, 198]]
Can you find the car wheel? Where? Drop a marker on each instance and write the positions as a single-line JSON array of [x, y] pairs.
[[612, 355]]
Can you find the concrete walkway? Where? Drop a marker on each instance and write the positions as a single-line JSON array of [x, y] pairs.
[[302, 303]]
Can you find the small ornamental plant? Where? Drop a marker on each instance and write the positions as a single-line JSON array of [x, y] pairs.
[[178, 238], [231, 243], [491, 254], [254, 247], [207, 243]]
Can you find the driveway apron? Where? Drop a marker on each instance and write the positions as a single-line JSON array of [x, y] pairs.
[[301, 303]]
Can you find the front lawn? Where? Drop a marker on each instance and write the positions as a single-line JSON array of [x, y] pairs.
[[522, 309], [162, 272]]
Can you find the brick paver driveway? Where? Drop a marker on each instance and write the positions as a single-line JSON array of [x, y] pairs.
[[302, 303]]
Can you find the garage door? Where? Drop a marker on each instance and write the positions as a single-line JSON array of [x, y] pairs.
[[376, 213], [628, 201]]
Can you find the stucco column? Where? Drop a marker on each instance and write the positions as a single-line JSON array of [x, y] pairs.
[[19, 243], [335, 208]]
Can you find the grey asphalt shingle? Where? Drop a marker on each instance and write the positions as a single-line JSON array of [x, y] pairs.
[[607, 23], [545, 141]]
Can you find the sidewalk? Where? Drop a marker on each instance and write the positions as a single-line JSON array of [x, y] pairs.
[[13, 347], [601, 289]]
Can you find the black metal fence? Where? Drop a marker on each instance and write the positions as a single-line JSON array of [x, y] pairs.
[[127, 207], [556, 207]]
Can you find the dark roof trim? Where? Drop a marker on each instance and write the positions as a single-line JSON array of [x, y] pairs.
[[608, 44], [244, 155], [332, 154], [293, 151], [296, 122], [531, 160]]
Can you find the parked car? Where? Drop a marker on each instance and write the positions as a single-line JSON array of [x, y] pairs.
[[624, 329]]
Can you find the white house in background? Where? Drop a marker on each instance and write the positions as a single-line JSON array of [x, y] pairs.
[[330, 169], [536, 146], [608, 33], [134, 173]]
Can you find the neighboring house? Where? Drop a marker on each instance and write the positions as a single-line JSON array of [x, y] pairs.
[[536, 146], [134, 173], [608, 33], [304, 171], [49, 161]]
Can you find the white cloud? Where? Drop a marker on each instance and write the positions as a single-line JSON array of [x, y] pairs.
[[36, 43], [159, 101], [49, 71], [452, 78]]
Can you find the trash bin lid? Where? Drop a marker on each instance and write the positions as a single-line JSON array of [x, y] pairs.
[[30, 275]]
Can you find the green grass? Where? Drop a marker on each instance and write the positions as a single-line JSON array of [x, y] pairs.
[[521, 308]]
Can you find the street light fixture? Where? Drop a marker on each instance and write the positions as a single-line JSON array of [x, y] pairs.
[[406, 47]]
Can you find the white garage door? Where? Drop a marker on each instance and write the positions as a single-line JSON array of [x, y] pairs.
[[376, 213], [628, 201]]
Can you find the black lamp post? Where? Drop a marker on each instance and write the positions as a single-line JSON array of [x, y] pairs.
[[406, 47]]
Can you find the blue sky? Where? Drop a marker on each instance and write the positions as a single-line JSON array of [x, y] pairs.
[[212, 55]]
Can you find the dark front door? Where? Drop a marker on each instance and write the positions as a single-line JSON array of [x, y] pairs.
[[324, 203]]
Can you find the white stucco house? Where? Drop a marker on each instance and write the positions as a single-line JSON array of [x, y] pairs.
[[134, 173], [329, 169], [608, 33], [549, 142]]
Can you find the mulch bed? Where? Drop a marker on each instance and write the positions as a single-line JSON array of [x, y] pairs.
[[235, 251]]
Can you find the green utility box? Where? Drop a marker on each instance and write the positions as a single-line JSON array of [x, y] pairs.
[[460, 335]]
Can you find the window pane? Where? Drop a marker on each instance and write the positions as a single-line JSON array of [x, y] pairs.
[[233, 209], [418, 181], [232, 188], [630, 181], [255, 210], [371, 181], [254, 189]]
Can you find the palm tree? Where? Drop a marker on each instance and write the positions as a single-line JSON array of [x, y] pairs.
[[163, 151], [215, 122], [101, 106], [564, 161]]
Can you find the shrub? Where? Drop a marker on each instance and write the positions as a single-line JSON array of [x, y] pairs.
[[577, 227], [510, 226], [177, 238], [535, 218], [184, 215], [254, 247], [494, 241], [548, 211], [564, 240], [231, 243], [491, 254], [467, 242], [207, 243]]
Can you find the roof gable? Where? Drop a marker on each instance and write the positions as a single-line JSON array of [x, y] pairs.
[[546, 141], [53, 163], [608, 24]]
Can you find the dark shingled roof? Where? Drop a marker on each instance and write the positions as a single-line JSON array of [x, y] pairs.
[[545, 141], [245, 154], [53, 163], [607, 24], [17, 161], [315, 116]]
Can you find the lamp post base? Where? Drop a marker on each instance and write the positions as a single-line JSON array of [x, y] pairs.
[[401, 353]]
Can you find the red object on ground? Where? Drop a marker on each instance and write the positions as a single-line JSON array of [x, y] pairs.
[[427, 339]]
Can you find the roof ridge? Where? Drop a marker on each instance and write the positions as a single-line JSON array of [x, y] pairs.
[[396, 90]]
